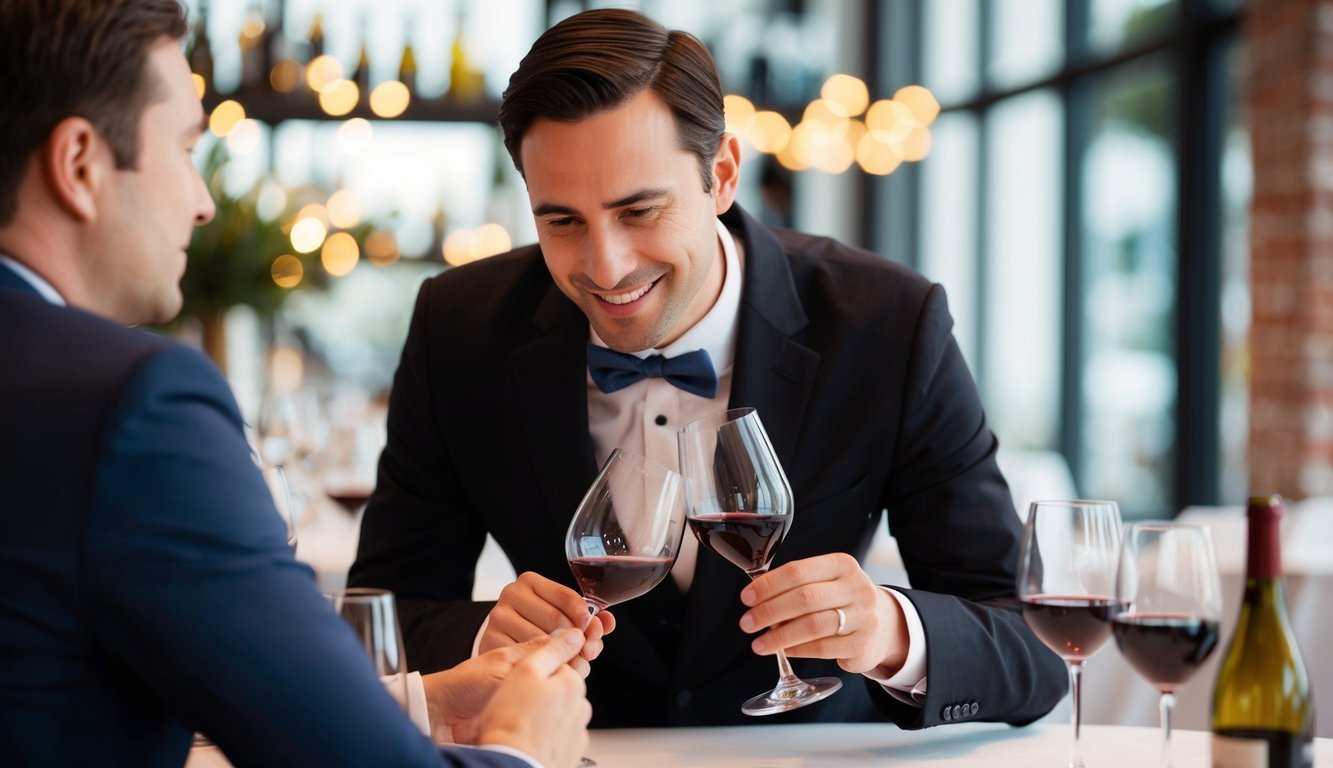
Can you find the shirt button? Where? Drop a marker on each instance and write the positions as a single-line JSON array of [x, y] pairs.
[[946, 713], [660, 420], [683, 699], [975, 708], [958, 711]]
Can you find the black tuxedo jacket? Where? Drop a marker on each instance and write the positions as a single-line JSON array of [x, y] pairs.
[[850, 361]]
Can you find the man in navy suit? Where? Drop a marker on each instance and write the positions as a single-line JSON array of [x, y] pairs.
[[501, 411], [146, 586]]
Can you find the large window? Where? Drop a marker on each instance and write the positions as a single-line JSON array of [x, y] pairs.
[[1105, 318]]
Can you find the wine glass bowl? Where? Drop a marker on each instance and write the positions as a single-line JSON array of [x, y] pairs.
[[1066, 583], [1170, 599], [372, 615], [740, 507], [624, 537]]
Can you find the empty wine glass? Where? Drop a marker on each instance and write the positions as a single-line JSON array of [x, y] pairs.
[[374, 620], [1170, 600], [1066, 582], [626, 532], [740, 507], [276, 479]]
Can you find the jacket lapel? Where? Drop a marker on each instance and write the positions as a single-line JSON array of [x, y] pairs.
[[548, 383], [772, 373]]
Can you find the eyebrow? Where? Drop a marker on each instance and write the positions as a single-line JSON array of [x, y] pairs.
[[199, 128], [546, 209]]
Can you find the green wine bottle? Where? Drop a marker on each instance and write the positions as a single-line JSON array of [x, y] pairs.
[[1263, 709]]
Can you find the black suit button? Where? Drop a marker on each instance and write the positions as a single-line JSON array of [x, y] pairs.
[[683, 699], [975, 708], [958, 711], [660, 420], [946, 713]]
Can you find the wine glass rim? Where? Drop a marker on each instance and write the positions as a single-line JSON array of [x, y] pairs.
[[360, 593], [638, 459], [1072, 503], [718, 419]]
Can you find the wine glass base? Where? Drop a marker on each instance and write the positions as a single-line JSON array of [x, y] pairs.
[[780, 700]]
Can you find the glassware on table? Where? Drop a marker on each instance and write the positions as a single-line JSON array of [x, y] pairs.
[[374, 620], [276, 479], [740, 507], [1066, 582], [1170, 599], [625, 535]]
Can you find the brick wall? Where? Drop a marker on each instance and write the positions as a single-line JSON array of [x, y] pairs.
[[1290, 98]]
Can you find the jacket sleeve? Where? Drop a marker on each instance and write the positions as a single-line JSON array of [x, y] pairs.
[[950, 511], [420, 536], [195, 594]]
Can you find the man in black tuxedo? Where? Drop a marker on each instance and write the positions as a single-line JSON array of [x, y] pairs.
[[501, 413]]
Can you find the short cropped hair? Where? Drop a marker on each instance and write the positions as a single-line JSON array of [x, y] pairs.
[[600, 59], [86, 58]]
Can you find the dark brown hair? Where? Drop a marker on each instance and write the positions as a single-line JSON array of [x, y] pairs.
[[598, 60], [61, 58]]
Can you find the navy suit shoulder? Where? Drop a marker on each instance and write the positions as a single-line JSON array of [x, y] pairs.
[[146, 587]]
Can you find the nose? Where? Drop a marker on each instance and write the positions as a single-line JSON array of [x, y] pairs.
[[610, 259], [205, 208]]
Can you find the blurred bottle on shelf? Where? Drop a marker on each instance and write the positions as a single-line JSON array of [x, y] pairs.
[[361, 75], [407, 64], [466, 83], [200, 54], [315, 38], [254, 71]]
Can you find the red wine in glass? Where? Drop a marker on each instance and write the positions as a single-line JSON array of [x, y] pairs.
[[1074, 626], [744, 539], [1166, 649], [606, 581]]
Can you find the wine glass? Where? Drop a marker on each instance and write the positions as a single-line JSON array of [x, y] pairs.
[[276, 479], [626, 532], [1170, 599], [740, 507], [371, 614], [1066, 582]]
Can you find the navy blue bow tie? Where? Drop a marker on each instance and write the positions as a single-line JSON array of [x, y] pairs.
[[692, 371]]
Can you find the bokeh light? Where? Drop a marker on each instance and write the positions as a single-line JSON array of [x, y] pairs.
[[339, 254], [287, 271]]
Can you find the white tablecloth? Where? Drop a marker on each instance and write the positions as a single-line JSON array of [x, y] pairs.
[[877, 744]]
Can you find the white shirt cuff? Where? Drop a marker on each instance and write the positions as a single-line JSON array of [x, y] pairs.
[[416, 702], [908, 684], [515, 753]]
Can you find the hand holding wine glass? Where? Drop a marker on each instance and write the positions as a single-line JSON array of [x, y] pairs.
[[1066, 581], [740, 507], [625, 535], [1170, 599]]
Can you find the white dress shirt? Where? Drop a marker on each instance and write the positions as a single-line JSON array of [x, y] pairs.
[[38, 284]]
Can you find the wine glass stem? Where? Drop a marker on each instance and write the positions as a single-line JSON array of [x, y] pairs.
[[1167, 702], [1076, 715]]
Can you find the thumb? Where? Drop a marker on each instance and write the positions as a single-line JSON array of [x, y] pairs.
[[549, 654]]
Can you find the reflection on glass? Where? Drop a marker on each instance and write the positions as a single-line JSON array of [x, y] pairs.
[[1027, 40], [1114, 24], [949, 220], [1020, 374], [1237, 189], [950, 48], [1129, 291]]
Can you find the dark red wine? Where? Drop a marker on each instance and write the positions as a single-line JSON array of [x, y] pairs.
[[350, 500], [1165, 649], [745, 539], [1072, 626], [606, 581]]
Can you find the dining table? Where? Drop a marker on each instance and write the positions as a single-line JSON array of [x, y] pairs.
[[862, 745]]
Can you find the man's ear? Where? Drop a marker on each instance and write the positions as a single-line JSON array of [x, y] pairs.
[[726, 173], [76, 162]]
